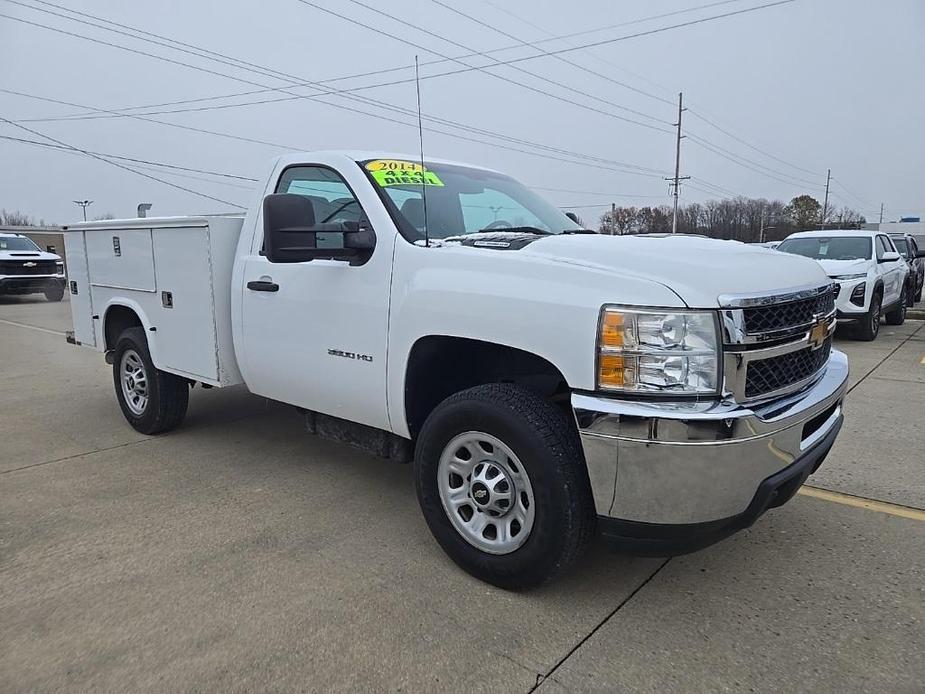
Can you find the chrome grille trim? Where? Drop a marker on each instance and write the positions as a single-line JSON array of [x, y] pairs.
[[742, 348]]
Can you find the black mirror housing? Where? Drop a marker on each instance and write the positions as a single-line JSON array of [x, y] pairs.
[[50, 249], [574, 217], [290, 233]]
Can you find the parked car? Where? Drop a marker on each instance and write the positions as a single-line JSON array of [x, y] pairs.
[[27, 269], [870, 274], [908, 247], [545, 379]]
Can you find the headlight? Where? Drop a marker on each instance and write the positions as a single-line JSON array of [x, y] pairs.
[[658, 351], [855, 276], [59, 267]]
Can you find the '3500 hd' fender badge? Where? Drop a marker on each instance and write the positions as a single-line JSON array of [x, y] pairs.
[[349, 355]]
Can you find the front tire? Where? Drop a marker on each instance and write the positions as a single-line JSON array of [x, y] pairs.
[[151, 400], [870, 323], [898, 315], [54, 293], [502, 485]]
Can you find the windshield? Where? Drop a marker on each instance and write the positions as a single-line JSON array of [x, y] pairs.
[[902, 247], [461, 200], [17, 243], [829, 247]]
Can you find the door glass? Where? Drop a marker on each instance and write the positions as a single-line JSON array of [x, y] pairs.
[[881, 248], [331, 198]]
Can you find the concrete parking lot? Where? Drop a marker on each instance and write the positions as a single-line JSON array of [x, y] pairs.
[[239, 553]]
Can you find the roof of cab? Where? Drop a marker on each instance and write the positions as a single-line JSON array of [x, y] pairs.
[[822, 233], [363, 155]]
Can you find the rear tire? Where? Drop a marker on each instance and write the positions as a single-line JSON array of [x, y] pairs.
[[151, 400], [898, 315], [524, 449], [870, 323], [54, 293]]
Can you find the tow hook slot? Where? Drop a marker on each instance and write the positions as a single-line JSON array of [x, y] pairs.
[[167, 299]]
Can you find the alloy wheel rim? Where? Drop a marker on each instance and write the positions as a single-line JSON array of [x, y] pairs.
[[486, 492], [134, 380]]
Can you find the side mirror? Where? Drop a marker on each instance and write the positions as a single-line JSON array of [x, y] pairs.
[[920, 254], [290, 233], [889, 257], [50, 249], [574, 217]]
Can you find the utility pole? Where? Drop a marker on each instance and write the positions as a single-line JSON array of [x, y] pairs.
[[676, 181], [613, 218], [881, 213], [84, 204], [825, 205]]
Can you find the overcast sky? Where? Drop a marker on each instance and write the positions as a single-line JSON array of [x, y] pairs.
[[798, 88]]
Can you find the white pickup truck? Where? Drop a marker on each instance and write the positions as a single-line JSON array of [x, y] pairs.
[[547, 382]]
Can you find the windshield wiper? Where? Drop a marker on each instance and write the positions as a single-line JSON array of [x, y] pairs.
[[515, 230], [579, 231]]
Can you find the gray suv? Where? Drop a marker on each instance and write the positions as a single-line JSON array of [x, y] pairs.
[[909, 248]]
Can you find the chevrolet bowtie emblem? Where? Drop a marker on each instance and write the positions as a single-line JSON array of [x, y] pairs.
[[818, 333], [28, 264]]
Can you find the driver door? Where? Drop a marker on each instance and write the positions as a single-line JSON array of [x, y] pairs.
[[315, 332]]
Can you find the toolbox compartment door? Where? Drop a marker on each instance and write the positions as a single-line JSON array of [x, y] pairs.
[[121, 258], [78, 288], [184, 309]]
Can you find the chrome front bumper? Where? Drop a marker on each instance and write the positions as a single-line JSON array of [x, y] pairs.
[[688, 463]]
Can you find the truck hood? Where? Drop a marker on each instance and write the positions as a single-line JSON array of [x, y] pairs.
[[844, 267], [698, 270], [28, 255]]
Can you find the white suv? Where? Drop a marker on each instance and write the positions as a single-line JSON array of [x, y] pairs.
[[870, 274]]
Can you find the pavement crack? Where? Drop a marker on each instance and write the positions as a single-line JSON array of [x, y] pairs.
[[120, 445], [549, 673], [890, 354]]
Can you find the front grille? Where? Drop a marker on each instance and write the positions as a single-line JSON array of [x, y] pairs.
[[769, 375], [18, 267], [778, 317]]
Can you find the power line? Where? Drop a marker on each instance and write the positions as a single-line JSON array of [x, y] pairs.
[[131, 159], [379, 104], [144, 164], [483, 69], [481, 23], [432, 76], [383, 70], [458, 71], [224, 61], [590, 162], [749, 164], [857, 197], [709, 122], [118, 165]]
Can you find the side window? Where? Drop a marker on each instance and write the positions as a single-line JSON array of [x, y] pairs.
[[881, 247], [332, 200]]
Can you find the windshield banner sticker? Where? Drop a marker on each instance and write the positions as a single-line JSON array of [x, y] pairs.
[[395, 172]]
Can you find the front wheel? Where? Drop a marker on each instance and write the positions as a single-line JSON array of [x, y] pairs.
[[870, 323], [502, 485], [55, 293], [898, 315], [152, 400]]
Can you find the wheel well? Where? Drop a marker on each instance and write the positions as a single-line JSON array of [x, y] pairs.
[[118, 319], [439, 366]]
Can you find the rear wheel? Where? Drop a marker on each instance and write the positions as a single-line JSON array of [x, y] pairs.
[[54, 293], [898, 315], [869, 326], [152, 401], [502, 485]]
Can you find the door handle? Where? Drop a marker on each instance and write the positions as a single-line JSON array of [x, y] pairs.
[[262, 286]]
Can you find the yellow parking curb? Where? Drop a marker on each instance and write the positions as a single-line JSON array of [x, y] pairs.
[[862, 502]]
